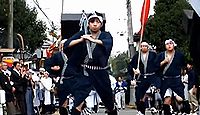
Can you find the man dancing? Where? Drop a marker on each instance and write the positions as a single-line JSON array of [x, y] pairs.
[[91, 73]]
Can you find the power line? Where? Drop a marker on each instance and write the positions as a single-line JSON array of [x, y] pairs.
[[50, 22]]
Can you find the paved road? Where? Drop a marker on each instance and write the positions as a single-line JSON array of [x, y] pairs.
[[127, 111]]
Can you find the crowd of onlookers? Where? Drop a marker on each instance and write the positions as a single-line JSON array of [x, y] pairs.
[[27, 91]]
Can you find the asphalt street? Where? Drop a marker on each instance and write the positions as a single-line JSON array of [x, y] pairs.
[[127, 111]]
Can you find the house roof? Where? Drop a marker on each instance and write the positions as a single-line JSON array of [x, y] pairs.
[[74, 16], [6, 50], [195, 5]]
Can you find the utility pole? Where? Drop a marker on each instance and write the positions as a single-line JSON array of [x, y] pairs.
[[131, 47], [130, 30], [62, 7], [10, 25]]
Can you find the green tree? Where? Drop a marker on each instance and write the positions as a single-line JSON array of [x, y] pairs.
[[167, 23], [119, 63], [25, 23], [3, 20]]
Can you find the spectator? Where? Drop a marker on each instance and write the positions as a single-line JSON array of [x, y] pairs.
[[46, 81], [192, 87], [120, 89], [7, 85], [18, 77], [184, 77]]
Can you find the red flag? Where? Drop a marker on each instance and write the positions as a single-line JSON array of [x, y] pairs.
[[144, 14]]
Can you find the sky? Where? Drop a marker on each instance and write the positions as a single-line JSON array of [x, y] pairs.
[[115, 13]]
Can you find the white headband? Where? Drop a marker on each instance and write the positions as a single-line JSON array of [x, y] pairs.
[[96, 16], [144, 43], [170, 40]]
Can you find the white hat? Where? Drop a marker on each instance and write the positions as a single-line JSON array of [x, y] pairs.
[[170, 41], [41, 69], [46, 72]]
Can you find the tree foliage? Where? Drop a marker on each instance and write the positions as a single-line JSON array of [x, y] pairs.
[[166, 23], [119, 63], [3, 20], [24, 22]]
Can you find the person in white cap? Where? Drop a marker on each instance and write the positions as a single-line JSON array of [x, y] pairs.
[[171, 62], [42, 69], [46, 81]]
